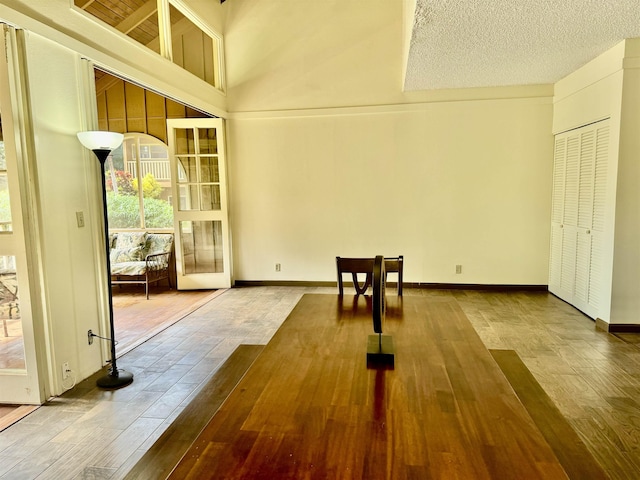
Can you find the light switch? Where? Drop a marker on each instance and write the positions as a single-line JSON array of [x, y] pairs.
[[80, 219]]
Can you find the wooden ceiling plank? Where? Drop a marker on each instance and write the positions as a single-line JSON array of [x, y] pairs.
[[138, 17], [105, 82], [85, 4]]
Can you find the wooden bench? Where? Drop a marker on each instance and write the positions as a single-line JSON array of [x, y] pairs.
[[354, 266], [141, 258]]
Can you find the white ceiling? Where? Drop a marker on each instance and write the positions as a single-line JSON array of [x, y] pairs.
[[481, 43]]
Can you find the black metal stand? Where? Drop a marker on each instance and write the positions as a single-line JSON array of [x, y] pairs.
[[115, 378], [380, 351]]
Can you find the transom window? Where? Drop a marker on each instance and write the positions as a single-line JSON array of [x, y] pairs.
[[169, 29]]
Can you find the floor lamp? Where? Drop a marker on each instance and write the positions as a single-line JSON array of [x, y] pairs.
[[102, 143]]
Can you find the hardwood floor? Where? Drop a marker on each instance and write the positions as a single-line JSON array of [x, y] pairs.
[[592, 377], [309, 407], [571, 451]]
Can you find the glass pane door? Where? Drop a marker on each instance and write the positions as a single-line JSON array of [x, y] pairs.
[[201, 221], [19, 379]]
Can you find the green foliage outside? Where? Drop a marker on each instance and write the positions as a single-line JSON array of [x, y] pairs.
[[124, 206], [124, 211], [150, 186], [157, 213]]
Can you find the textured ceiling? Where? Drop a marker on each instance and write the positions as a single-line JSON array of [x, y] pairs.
[[481, 43]]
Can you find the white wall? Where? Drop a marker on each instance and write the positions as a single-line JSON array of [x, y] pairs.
[[63, 172], [443, 185], [591, 93], [329, 157], [625, 307]]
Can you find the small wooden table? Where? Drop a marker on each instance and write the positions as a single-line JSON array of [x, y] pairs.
[[309, 407]]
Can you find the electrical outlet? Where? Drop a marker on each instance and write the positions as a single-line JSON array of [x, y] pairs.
[[277, 267], [66, 371], [458, 269], [80, 219]]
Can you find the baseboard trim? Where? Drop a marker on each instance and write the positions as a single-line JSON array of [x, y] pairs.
[[602, 325], [425, 286], [283, 283], [478, 286], [617, 327]]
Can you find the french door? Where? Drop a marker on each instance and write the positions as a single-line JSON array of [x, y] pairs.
[[19, 380], [199, 183]]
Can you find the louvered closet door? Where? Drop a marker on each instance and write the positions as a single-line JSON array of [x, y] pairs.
[[577, 225], [570, 216], [584, 216], [557, 213], [591, 227]]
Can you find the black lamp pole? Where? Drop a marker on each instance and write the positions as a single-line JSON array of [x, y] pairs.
[[102, 143], [115, 378]]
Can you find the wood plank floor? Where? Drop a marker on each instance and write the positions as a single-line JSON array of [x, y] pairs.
[[568, 447], [310, 408], [166, 452], [137, 318], [10, 414], [591, 376]]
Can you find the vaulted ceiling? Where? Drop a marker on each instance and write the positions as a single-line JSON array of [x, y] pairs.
[[480, 43], [465, 43]]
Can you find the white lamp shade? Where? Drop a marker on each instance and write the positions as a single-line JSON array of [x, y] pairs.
[[99, 140]]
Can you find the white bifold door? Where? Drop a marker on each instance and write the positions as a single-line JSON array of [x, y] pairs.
[[581, 159], [199, 181]]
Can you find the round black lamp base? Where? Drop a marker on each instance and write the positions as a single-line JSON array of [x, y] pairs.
[[119, 380]]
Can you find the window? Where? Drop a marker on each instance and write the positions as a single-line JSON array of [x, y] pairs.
[[138, 179], [192, 48], [189, 42]]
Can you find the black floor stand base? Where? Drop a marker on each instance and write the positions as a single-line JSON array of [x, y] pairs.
[[112, 382], [380, 352]]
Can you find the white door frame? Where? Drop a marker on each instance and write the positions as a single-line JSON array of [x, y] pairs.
[[185, 218], [22, 385]]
